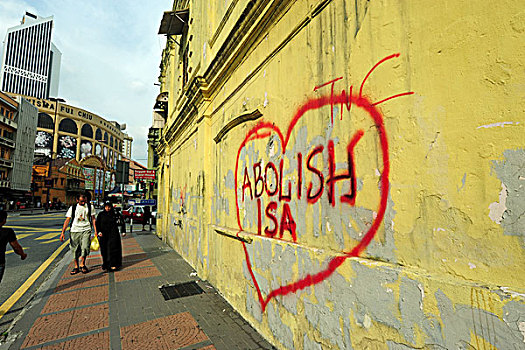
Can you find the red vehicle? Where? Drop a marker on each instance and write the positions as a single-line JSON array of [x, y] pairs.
[[137, 213]]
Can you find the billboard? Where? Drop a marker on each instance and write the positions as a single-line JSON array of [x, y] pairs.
[[144, 174], [43, 143], [89, 173], [67, 147], [86, 149]]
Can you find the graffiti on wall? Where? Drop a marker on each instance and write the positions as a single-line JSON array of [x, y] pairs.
[[310, 174]]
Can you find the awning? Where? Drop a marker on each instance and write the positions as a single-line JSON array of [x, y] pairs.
[[162, 101], [173, 22]]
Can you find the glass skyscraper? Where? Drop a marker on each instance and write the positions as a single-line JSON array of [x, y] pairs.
[[30, 61]]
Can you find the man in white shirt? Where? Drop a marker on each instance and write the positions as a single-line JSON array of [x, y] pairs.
[[83, 214]]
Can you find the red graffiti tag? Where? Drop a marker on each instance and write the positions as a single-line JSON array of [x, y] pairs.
[[270, 181]]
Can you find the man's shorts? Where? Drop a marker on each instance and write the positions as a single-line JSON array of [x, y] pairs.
[[80, 242]]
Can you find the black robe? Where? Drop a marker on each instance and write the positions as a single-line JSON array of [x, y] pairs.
[[110, 245]]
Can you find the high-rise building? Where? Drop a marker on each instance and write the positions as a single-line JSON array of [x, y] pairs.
[[30, 61]]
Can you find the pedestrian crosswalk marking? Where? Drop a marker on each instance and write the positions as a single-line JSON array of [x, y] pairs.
[[30, 229], [51, 241], [33, 218], [23, 235], [48, 235], [11, 251]]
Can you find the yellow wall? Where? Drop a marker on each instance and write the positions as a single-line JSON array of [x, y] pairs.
[[439, 170]]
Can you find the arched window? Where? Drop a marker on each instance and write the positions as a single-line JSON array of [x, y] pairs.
[[111, 141], [106, 137], [68, 125], [98, 135], [87, 131], [45, 121]]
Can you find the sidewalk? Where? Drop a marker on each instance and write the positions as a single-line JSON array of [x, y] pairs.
[[126, 309]]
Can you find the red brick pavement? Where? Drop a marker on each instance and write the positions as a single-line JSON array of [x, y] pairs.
[[82, 281], [133, 274], [76, 298], [97, 341], [171, 332], [65, 324]]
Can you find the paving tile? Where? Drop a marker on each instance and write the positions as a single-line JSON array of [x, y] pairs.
[[62, 301], [68, 323], [136, 256], [97, 341], [93, 295], [59, 346], [137, 263], [89, 318], [133, 274], [83, 281], [47, 328], [169, 332]]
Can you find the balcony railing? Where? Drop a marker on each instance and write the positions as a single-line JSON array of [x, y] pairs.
[[8, 121], [7, 142], [5, 183], [6, 163]]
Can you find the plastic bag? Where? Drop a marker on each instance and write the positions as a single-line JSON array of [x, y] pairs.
[[94, 243]]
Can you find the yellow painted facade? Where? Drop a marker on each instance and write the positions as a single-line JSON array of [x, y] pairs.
[[350, 174]]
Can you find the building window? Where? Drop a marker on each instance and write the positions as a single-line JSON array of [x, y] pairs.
[[98, 135], [45, 121], [185, 66], [87, 131], [68, 125], [106, 137]]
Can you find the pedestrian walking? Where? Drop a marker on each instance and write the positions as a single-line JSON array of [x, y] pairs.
[[147, 217], [109, 238], [120, 221], [7, 235], [81, 216]]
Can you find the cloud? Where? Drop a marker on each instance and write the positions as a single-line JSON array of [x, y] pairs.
[[110, 56]]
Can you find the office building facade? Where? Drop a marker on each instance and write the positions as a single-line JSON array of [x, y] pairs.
[[30, 61], [18, 121]]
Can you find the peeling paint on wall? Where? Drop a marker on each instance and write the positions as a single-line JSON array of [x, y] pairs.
[[511, 173]]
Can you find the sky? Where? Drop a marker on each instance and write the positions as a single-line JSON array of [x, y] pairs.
[[110, 56]]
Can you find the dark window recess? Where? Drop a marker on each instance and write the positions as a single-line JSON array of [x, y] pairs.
[[87, 131], [45, 121], [174, 291], [68, 125]]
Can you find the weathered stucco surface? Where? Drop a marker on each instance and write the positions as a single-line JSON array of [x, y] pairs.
[[350, 174]]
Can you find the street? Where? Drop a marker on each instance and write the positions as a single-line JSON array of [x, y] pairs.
[[39, 236]]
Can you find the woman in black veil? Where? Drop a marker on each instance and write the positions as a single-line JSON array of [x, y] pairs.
[[109, 238]]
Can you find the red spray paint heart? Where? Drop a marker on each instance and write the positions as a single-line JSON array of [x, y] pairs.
[[266, 129]]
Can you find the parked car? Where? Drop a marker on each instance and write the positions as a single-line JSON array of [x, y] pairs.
[[137, 213]]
